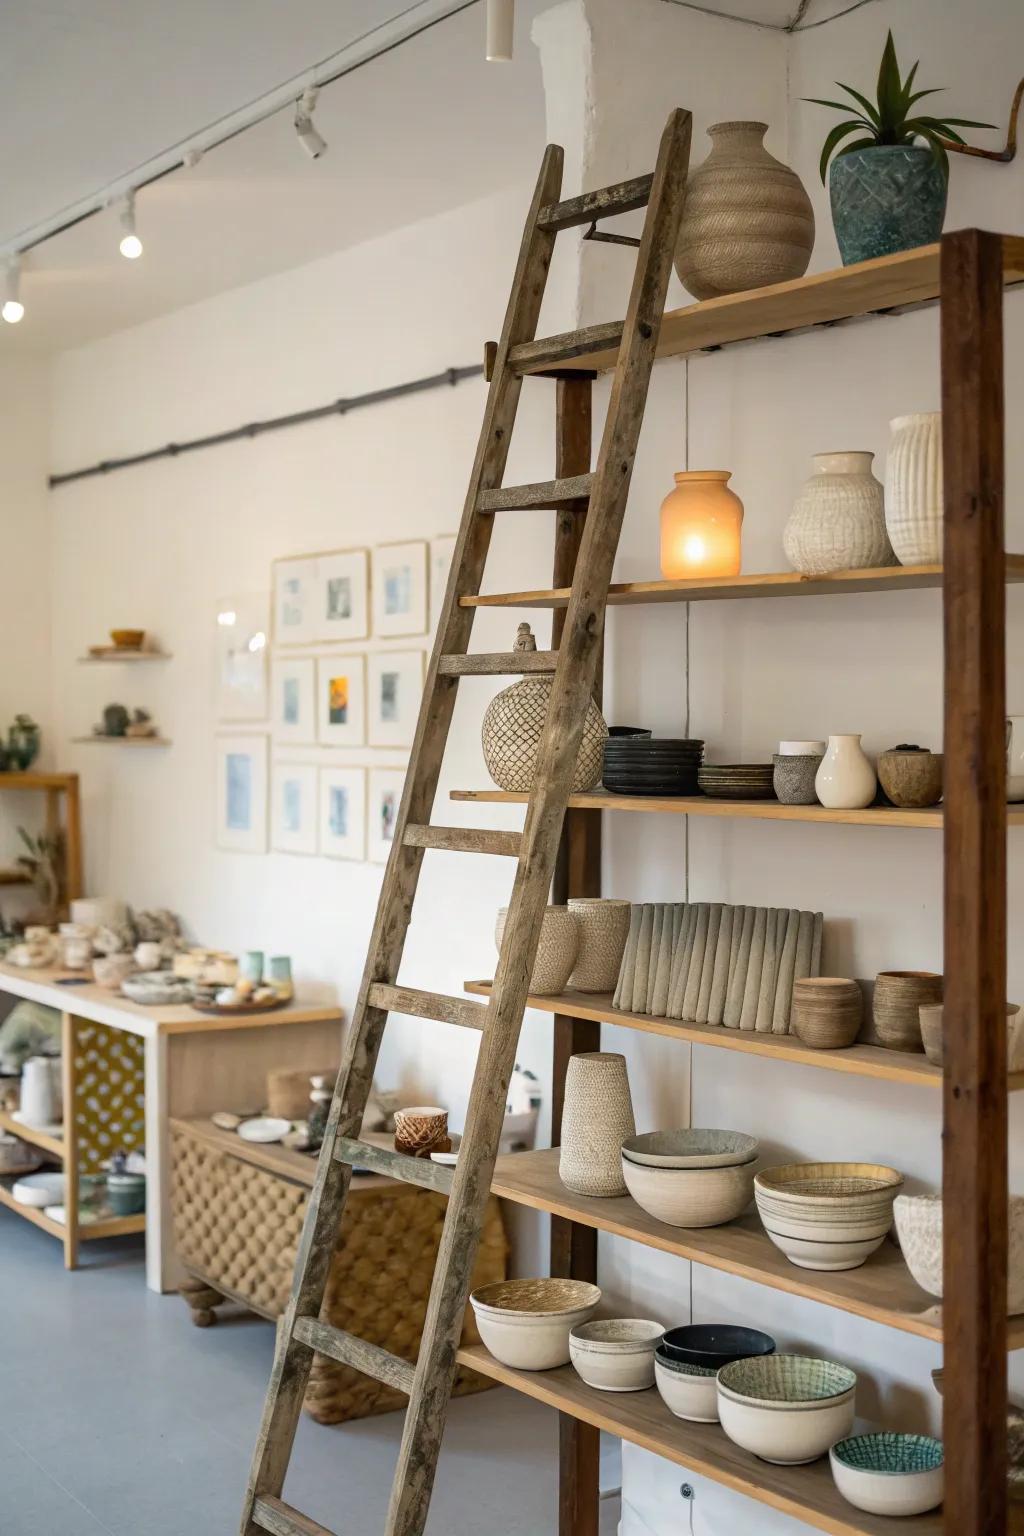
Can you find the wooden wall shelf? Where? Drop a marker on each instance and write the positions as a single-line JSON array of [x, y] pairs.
[[106, 657], [52, 1145], [120, 741]]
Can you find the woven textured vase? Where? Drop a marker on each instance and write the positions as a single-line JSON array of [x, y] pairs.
[[597, 1118], [603, 927], [838, 521], [913, 488], [747, 220], [514, 724]]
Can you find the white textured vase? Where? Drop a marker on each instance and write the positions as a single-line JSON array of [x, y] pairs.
[[838, 522], [597, 1117], [913, 488], [845, 780]]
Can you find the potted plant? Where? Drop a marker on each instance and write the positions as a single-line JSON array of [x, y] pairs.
[[23, 742], [888, 185]]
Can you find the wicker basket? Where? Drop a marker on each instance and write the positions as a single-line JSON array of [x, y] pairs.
[[237, 1226]]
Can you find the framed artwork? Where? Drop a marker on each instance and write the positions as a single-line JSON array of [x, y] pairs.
[[343, 813], [400, 589], [295, 600], [293, 719], [395, 687], [242, 624], [293, 816], [242, 793], [441, 550], [341, 701], [342, 595], [386, 785]]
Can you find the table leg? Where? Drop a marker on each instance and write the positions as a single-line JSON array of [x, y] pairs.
[[68, 1044], [163, 1272]]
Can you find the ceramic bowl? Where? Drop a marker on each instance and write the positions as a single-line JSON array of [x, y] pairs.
[[688, 1391], [919, 1229], [110, 970], [897, 1001], [793, 777], [826, 1012], [930, 1019], [603, 929], [827, 1216], [616, 1354], [556, 952], [911, 779], [39, 1190], [126, 1193], [712, 1345], [526, 1323], [690, 1149], [128, 639], [889, 1474], [787, 1409], [691, 1197]]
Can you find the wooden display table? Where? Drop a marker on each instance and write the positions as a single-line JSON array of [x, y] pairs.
[[160, 1061]]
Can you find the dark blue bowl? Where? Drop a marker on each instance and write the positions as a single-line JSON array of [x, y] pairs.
[[716, 1344]]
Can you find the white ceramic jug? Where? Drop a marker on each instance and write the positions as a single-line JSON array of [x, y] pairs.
[[1015, 757], [845, 779], [40, 1091]]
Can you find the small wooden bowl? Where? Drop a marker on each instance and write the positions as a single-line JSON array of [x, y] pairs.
[[898, 997], [128, 639], [827, 1012], [911, 779]]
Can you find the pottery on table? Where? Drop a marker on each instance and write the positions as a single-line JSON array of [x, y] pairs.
[[787, 1409], [691, 1197], [713, 1345], [700, 526], [793, 777], [845, 780], [421, 1129], [556, 951], [886, 198], [827, 1011], [690, 1149], [264, 1129], [110, 970], [929, 1017], [156, 988], [603, 925], [801, 749], [919, 1229], [597, 1117], [1015, 758], [913, 488], [514, 724], [910, 776], [827, 1216], [615, 1354], [279, 975], [747, 220], [688, 1391], [899, 996], [838, 520], [886, 1473], [526, 1324]]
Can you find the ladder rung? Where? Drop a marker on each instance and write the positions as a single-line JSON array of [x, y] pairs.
[[543, 493], [550, 351], [428, 1005], [497, 663], [361, 1355], [395, 1165], [623, 197], [464, 840], [277, 1517]]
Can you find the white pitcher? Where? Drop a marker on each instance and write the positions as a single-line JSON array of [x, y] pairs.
[[1015, 757], [40, 1091]]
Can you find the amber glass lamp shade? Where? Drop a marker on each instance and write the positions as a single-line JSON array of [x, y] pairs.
[[700, 526]]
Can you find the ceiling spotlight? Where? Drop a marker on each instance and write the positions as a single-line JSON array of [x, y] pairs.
[[500, 28], [310, 140], [13, 308], [131, 245]]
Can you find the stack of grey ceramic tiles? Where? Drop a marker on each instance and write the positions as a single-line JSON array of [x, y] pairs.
[[709, 963]]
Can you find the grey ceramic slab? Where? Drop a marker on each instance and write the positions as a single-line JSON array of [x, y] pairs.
[[720, 977], [696, 965], [638, 1002], [766, 986], [784, 976], [681, 962], [624, 986], [652, 964], [708, 968], [804, 944], [659, 1000], [755, 965], [738, 982], [816, 945]]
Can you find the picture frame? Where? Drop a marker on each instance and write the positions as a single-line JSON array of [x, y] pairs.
[[294, 582], [394, 691], [400, 589], [294, 810], [342, 813], [293, 717], [442, 548], [242, 793], [384, 798], [342, 596], [341, 700], [243, 687]]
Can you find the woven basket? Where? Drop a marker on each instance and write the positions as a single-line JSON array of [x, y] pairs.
[[514, 724], [237, 1229]]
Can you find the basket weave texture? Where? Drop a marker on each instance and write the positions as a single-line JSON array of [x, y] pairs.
[[238, 1226]]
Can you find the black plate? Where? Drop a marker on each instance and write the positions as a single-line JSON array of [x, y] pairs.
[[669, 790], [715, 1344]]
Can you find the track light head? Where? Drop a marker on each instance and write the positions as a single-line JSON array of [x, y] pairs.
[[13, 309], [311, 141], [501, 16], [131, 245]]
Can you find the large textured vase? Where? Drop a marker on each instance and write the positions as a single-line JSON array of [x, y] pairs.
[[913, 488], [514, 724], [747, 220], [838, 522], [597, 1118], [890, 197]]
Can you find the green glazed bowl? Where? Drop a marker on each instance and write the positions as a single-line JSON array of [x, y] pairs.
[[888, 1473]]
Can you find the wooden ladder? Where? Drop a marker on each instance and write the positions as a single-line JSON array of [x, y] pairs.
[[428, 1383]]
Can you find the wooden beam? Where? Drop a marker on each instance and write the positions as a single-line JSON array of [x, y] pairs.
[[974, 1097]]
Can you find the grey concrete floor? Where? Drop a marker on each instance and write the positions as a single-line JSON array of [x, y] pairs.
[[119, 1418]]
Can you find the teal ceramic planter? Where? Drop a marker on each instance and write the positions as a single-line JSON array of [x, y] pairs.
[[884, 199]]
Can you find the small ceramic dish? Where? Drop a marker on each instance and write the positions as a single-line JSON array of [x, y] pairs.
[[888, 1473], [688, 1391], [264, 1128], [691, 1197], [39, 1190], [712, 1345], [690, 1149], [615, 1354], [526, 1323], [787, 1409]]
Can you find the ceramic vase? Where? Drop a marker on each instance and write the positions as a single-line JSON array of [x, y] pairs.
[[886, 198], [845, 780], [603, 926], [514, 724], [700, 526], [838, 522], [597, 1118], [556, 951], [747, 220], [913, 488]]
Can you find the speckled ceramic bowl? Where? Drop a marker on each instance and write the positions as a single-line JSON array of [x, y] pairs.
[[616, 1354], [690, 1149], [888, 1473]]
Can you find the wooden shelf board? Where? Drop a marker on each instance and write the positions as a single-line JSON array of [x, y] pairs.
[[29, 779], [41, 1139], [120, 741], [15, 877], [804, 1493], [119, 656], [31, 1213], [861, 1060], [886, 578], [881, 1290], [110, 1226]]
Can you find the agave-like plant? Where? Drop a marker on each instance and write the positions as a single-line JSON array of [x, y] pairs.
[[889, 121]]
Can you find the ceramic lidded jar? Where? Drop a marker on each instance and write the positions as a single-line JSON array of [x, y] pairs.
[[514, 724], [700, 526], [838, 521], [747, 220], [913, 488], [597, 1118], [845, 780]]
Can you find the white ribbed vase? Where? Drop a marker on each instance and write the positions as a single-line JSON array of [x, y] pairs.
[[838, 522], [597, 1118], [913, 488]]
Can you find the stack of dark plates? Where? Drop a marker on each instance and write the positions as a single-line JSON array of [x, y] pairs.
[[737, 781], [637, 765]]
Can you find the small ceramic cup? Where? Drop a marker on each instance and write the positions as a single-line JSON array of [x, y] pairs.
[[793, 776], [421, 1129]]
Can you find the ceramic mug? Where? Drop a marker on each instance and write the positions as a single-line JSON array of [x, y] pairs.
[[149, 955], [40, 1091], [250, 967], [1015, 757]]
